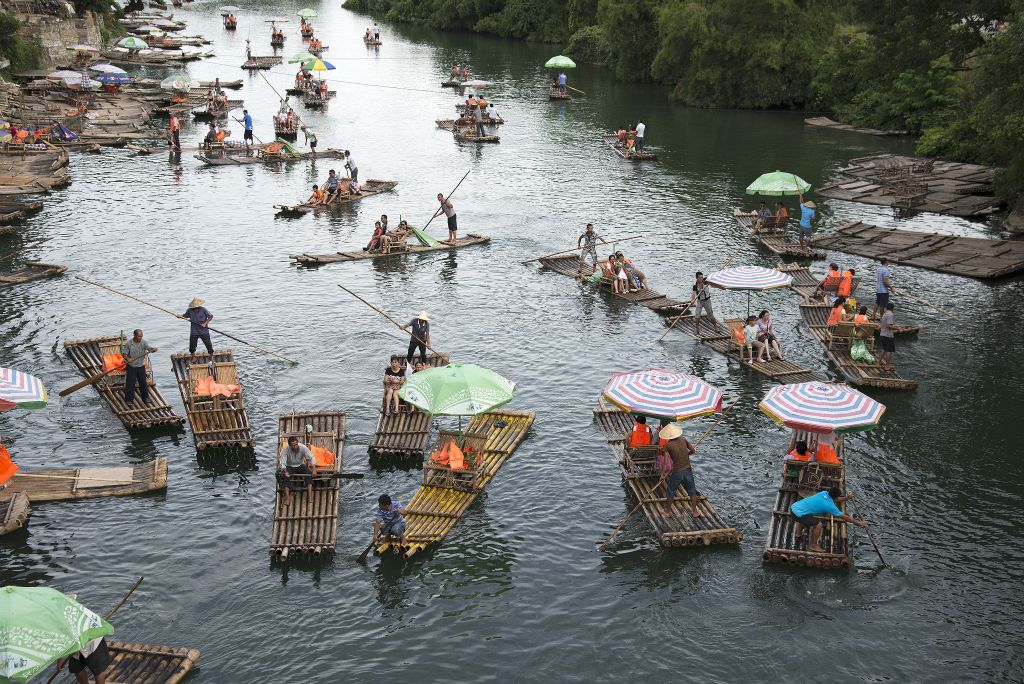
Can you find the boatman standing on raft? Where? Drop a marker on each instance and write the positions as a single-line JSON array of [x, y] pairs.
[[588, 243], [200, 318], [449, 210], [679, 450], [134, 352], [420, 336]]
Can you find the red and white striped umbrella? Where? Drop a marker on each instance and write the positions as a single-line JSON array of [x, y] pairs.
[[822, 407], [663, 393], [750, 278], [20, 390]]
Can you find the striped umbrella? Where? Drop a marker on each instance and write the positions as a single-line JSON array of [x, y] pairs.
[[317, 64], [20, 390], [750, 278], [822, 407], [663, 393]]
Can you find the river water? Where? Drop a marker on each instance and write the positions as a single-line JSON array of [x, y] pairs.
[[518, 591]]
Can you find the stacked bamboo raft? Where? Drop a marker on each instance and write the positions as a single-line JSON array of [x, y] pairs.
[[640, 471], [825, 122], [554, 93], [87, 356], [218, 421], [435, 509], [146, 664], [13, 513], [71, 484], [404, 433], [29, 271], [773, 236], [800, 480], [964, 256], [574, 267], [343, 257], [309, 524], [837, 351]]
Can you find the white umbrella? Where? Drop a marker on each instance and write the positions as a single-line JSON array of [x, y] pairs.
[[65, 74], [107, 69]]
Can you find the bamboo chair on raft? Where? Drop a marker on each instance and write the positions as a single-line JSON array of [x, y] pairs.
[[457, 462], [224, 373], [321, 444]]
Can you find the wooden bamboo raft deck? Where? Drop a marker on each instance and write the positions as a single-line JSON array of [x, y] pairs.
[[29, 271], [13, 513], [87, 357], [555, 94], [309, 524], [435, 510], [963, 256], [679, 528], [146, 664], [404, 433], [815, 315], [71, 484], [216, 422], [572, 266], [612, 141], [825, 122], [774, 238], [800, 480], [344, 257], [369, 189]]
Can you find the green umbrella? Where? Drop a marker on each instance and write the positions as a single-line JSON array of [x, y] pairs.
[[560, 62], [178, 82], [301, 57], [132, 43], [778, 184], [39, 625], [306, 13], [458, 389]]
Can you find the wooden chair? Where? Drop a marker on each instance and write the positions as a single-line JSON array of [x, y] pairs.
[[841, 335], [866, 332], [465, 479], [642, 461], [736, 326], [109, 348]]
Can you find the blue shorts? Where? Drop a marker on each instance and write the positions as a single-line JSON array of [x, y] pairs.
[[397, 528], [807, 520], [882, 299], [681, 477]]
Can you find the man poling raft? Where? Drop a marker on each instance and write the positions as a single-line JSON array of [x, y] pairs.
[[199, 316]]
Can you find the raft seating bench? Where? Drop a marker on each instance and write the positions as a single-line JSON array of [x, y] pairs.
[[844, 334], [641, 461], [110, 348], [464, 479], [324, 440], [224, 373]]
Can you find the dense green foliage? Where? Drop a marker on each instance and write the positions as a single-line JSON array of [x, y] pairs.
[[23, 54]]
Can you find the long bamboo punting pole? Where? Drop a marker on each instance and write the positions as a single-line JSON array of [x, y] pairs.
[[438, 212], [871, 537], [96, 378], [576, 89], [396, 323], [927, 303], [118, 480], [608, 241], [178, 316]]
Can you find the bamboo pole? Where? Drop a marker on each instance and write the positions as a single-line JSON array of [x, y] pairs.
[[178, 316], [396, 323], [609, 241], [927, 303], [96, 378], [871, 537], [576, 89]]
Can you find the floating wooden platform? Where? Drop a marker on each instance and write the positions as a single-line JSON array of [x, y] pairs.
[[72, 484], [800, 480], [261, 62], [404, 433], [146, 664], [963, 256], [369, 189], [218, 421], [31, 172], [29, 271], [825, 122], [87, 356], [573, 267], [679, 528], [13, 513], [371, 42], [776, 239], [612, 141], [556, 94], [434, 510], [232, 85], [815, 315], [234, 156], [309, 524], [468, 137], [344, 257]]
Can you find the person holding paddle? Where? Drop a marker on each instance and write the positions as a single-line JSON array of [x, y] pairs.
[[449, 211], [200, 318], [679, 450], [134, 352], [420, 336], [389, 516]]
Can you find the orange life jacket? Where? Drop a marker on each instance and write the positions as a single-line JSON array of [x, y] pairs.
[[7, 466], [794, 455], [860, 318], [640, 436], [826, 454], [174, 123], [845, 284], [323, 457], [831, 278], [112, 362], [738, 336], [835, 316]]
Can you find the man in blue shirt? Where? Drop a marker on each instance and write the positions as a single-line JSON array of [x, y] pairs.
[[806, 512], [882, 288], [247, 123], [200, 318], [807, 212], [562, 80], [389, 516]]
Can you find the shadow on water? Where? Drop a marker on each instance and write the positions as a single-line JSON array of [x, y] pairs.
[[216, 462]]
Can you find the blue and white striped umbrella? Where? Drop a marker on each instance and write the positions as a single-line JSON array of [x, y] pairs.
[[750, 278], [822, 407], [20, 390], [663, 393]]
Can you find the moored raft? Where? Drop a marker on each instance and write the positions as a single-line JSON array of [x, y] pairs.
[[87, 356], [342, 257], [309, 524], [612, 140], [146, 663], [774, 237], [219, 420], [572, 266], [369, 189], [29, 271], [13, 513], [640, 471], [436, 507], [93, 482], [255, 62], [16, 210], [404, 433]]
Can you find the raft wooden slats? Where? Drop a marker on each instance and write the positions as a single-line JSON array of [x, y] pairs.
[[30, 270], [146, 664], [369, 189], [964, 256], [854, 372], [470, 137], [33, 172], [309, 524], [87, 358], [612, 141], [825, 122], [440, 508], [572, 266], [404, 433], [344, 257], [261, 62], [776, 240], [217, 422], [13, 512], [555, 94], [151, 476], [679, 528]]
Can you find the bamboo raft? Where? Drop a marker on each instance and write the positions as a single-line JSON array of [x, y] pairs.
[[258, 155], [218, 421], [286, 128], [435, 508], [800, 480], [815, 315], [231, 85], [13, 513], [472, 137], [16, 210], [773, 237], [93, 482], [640, 471], [612, 141], [572, 266], [255, 62], [87, 356], [555, 94], [371, 41], [451, 83], [963, 256], [404, 433], [369, 189], [309, 524], [146, 663], [344, 257], [825, 122], [314, 100], [32, 172], [29, 271]]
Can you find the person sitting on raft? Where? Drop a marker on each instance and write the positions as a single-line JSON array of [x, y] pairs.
[[750, 342], [766, 334], [332, 186], [806, 512], [393, 380], [830, 283], [800, 452], [396, 238], [641, 434], [466, 73], [317, 198], [378, 239], [296, 459], [454, 76], [838, 313], [211, 136], [637, 280], [389, 521]]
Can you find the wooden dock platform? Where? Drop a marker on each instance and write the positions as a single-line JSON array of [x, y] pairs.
[[29, 271], [800, 480], [309, 524], [87, 356], [572, 266], [345, 257], [775, 238], [434, 510], [404, 433], [13, 513], [642, 479], [217, 421], [825, 122], [146, 664], [963, 256], [93, 482]]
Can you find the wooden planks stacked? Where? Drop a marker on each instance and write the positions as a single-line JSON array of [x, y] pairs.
[[146, 663], [13, 512], [343, 257], [433, 511], [64, 484], [87, 358], [775, 239], [574, 267], [963, 256], [679, 527], [800, 480], [29, 271], [309, 524], [218, 421]]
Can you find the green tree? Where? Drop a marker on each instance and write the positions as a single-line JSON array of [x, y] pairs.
[[630, 32]]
